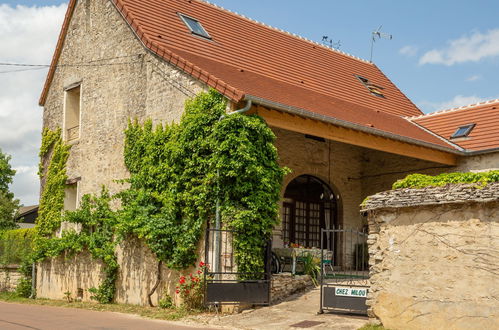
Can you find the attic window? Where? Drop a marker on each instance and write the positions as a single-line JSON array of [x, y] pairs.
[[463, 131], [374, 89], [195, 26]]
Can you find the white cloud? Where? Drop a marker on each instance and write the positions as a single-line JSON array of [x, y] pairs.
[[457, 101], [409, 50], [28, 35], [468, 48], [474, 78]]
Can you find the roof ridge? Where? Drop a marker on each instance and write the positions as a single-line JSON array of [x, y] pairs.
[[464, 107], [286, 32]]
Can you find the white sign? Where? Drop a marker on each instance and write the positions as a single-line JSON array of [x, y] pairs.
[[351, 292]]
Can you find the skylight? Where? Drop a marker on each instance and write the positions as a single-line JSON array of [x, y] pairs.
[[463, 131], [374, 89], [195, 26]]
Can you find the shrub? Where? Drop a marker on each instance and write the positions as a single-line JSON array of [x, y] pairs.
[[166, 302], [15, 245], [190, 288]]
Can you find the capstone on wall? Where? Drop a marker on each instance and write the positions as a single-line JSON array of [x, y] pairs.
[[120, 81], [434, 260]]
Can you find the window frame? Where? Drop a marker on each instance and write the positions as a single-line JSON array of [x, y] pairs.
[[67, 89], [372, 88], [467, 130], [185, 19]]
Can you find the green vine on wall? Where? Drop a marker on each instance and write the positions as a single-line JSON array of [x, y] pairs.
[[422, 180], [52, 196], [177, 172]]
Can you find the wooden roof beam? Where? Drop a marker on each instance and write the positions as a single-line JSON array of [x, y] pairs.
[[341, 134]]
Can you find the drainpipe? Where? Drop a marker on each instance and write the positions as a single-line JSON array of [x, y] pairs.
[[218, 224]]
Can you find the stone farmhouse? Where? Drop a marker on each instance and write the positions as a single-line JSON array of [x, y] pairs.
[[343, 128]]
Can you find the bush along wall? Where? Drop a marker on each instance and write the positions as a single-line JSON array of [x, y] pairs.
[[177, 172]]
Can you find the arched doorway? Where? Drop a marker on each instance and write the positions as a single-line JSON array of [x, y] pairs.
[[309, 205]]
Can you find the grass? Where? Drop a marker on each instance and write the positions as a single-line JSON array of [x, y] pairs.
[[370, 326], [149, 312]]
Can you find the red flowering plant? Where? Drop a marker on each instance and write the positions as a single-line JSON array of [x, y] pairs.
[[190, 288]]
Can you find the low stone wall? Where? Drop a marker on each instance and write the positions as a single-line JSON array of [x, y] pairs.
[[9, 277], [434, 257], [137, 275], [285, 284]]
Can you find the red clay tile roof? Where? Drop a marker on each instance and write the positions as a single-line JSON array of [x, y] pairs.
[[484, 136], [245, 57]]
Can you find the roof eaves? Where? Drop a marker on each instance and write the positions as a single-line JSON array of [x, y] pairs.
[[347, 124], [225, 89], [57, 52], [481, 152], [435, 135], [230, 92]]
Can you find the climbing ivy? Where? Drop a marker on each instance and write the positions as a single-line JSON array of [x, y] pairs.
[[177, 173], [250, 184], [52, 196], [422, 180]]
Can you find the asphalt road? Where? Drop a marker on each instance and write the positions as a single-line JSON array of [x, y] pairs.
[[21, 316]]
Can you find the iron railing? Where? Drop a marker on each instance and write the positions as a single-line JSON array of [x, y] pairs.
[[224, 283]]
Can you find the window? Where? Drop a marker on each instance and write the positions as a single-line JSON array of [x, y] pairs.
[[463, 131], [71, 197], [309, 206], [72, 113], [195, 27], [374, 89]]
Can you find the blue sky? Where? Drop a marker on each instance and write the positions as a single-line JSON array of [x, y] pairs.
[[443, 54]]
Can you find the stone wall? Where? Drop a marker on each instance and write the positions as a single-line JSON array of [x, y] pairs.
[[120, 81], [335, 163], [285, 284], [9, 277], [434, 257], [137, 274]]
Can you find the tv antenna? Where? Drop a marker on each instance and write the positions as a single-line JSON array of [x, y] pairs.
[[328, 42], [380, 35]]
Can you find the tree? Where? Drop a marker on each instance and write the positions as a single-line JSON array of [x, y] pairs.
[[8, 204]]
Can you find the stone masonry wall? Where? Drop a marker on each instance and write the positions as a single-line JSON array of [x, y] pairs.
[[334, 163], [120, 81], [434, 257], [137, 275], [9, 277], [286, 284]]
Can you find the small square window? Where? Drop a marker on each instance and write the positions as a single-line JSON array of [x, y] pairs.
[[463, 131], [195, 26]]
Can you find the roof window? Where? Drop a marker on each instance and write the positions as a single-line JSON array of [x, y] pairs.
[[463, 131], [374, 89], [195, 26]]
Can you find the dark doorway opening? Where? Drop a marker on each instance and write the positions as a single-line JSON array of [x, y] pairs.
[[310, 205]]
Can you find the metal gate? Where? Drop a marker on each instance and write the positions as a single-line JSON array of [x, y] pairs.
[[224, 284], [344, 280]]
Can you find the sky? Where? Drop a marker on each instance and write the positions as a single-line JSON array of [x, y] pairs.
[[442, 54]]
